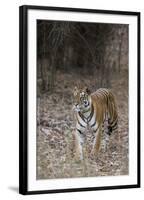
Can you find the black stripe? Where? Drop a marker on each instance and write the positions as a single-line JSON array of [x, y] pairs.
[[93, 124], [109, 133], [114, 128], [82, 117], [96, 129], [91, 115], [79, 131], [114, 124], [80, 123], [110, 129]]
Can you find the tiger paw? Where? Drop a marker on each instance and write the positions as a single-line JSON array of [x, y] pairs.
[[94, 152], [103, 148], [78, 156]]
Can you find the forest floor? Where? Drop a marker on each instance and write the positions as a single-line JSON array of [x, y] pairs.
[[55, 124]]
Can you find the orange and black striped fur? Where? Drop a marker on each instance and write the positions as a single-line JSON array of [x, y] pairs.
[[98, 111]]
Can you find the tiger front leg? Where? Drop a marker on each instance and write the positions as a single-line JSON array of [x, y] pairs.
[[96, 142], [79, 141]]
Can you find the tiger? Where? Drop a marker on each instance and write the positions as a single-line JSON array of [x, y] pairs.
[[97, 111]]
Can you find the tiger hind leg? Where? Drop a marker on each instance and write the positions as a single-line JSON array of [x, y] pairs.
[[112, 126], [109, 128]]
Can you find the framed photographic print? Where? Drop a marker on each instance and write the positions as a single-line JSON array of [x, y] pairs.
[[79, 100]]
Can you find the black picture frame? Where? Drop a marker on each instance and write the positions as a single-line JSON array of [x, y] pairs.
[[23, 98]]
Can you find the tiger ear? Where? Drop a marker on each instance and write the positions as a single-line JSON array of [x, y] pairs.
[[87, 90], [75, 91]]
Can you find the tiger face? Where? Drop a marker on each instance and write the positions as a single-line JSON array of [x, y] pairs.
[[81, 99]]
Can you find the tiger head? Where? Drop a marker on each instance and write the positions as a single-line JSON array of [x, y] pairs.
[[81, 99]]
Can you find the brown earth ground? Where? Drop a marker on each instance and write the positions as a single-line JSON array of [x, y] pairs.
[[55, 124]]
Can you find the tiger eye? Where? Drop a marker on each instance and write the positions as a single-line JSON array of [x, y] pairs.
[[81, 98]]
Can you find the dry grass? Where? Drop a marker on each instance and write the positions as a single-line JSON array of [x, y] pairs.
[[55, 124]]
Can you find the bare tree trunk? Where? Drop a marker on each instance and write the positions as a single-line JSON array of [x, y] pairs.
[[44, 63], [119, 58], [120, 51], [53, 71]]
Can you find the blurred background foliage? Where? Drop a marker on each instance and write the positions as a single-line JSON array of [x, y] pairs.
[[84, 48]]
